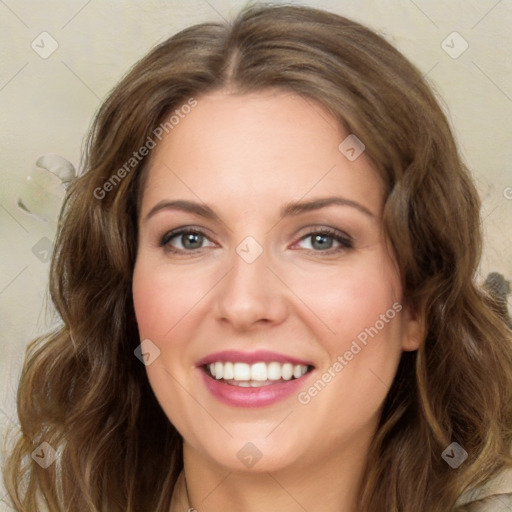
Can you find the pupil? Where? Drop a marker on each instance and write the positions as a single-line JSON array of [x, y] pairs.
[[192, 241], [322, 241]]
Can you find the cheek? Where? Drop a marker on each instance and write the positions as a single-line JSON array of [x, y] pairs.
[[163, 298], [162, 301], [362, 307], [349, 299]]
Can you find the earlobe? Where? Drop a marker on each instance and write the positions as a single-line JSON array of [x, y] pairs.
[[413, 330]]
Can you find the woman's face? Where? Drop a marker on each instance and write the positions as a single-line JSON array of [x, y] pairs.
[[261, 256]]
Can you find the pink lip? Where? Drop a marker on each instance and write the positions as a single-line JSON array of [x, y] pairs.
[[259, 356], [237, 396], [252, 397]]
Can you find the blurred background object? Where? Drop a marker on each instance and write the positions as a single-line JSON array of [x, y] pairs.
[[45, 185]]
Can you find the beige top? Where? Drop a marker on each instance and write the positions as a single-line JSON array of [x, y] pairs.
[[496, 497]]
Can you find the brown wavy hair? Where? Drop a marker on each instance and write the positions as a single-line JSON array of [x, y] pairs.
[[84, 392]]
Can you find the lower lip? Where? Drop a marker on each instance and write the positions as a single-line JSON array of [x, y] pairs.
[[237, 396]]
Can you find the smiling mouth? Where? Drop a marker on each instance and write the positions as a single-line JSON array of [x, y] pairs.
[[255, 375]]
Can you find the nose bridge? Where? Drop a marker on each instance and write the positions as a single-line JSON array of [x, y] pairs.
[[250, 293]]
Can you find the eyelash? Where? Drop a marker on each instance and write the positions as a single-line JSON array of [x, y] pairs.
[[345, 240]]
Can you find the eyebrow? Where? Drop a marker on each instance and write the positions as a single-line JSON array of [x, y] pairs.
[[300, 207], [202, 210], [289, 209]]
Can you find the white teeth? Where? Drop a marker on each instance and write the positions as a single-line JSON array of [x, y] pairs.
[[256, 374], [242, 371], [287, 371], [227, 371], [218, 370], [274, 371], [259, 371], [259, 384]]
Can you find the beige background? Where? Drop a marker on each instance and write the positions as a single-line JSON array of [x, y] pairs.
[[47, 106]]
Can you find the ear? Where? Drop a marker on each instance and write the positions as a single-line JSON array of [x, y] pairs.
[[413, 329]]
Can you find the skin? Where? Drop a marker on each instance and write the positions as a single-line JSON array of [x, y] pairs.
[[246, 157]]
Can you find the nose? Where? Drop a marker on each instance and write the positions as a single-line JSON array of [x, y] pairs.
[[250, 295]]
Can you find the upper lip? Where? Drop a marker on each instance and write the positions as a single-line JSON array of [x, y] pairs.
[[258, 356]]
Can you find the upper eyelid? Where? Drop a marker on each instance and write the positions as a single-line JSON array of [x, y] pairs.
[[319, 228]]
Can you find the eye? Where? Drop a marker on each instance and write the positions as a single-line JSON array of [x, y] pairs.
[[184, 240], [326, 240]]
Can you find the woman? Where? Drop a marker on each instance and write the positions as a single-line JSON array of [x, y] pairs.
[[266, 281]]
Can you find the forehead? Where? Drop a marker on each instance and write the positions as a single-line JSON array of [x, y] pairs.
[[255, 148]]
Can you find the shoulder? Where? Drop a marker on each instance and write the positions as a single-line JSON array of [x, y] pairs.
[[495, 496], [493, 503]]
